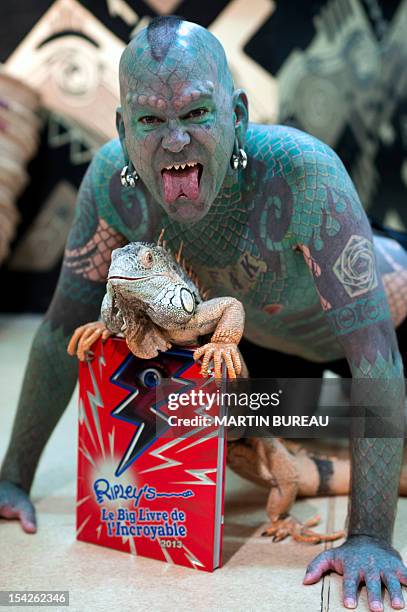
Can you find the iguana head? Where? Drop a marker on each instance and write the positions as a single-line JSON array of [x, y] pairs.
[[147, 278]]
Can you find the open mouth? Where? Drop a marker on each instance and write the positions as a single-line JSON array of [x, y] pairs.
[[181, 181]]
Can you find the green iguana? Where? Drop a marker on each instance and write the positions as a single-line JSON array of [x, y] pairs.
[[154, 300]]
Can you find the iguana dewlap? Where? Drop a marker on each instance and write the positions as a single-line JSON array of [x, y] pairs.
[[154, 300]]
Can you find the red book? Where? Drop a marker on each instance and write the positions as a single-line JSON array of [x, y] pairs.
[[145, 486]]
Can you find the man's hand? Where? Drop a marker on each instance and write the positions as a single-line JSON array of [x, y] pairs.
[[363, 559], [15, 504]]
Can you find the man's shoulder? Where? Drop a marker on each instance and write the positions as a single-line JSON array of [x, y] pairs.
[[108, 159], [309, 177], [104, 172], [283, 144]]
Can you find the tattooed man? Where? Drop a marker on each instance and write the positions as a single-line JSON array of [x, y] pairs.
[[285, 233]]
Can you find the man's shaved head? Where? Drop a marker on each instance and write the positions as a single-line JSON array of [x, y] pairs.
[[170, 45], [161, 33], [179, 116]]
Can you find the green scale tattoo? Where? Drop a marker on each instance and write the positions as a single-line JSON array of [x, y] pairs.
[[286, 235]]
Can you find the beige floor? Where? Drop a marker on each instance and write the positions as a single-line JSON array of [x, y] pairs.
[[257, 574]]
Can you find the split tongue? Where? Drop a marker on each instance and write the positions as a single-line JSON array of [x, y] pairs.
[[181, 182]]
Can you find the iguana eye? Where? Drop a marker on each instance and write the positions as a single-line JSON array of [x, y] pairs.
[[146, 259]]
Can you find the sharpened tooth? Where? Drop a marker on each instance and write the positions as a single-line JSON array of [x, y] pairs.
[[182, 166]]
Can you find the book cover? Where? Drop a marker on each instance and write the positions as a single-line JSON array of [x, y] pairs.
[[149, 484]]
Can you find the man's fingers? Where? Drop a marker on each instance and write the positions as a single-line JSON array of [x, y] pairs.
[[393, 586], [374, 593], [402, 575], [317, 567], [350, 590], [27, 517], [15, 504], [24, 511], [7, 511]]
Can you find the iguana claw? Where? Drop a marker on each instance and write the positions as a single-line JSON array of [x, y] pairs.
[[220, 352], [285, 526], [83, 338]]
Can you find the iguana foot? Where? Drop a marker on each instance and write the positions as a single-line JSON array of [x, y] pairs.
[[285, 526], [220, 352], [83, 338]]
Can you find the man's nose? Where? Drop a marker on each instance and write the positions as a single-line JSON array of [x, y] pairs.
[[176, 138]]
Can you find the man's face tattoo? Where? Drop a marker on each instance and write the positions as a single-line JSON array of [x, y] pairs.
[[177, 111]]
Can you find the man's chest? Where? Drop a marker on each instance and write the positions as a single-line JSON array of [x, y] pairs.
[[232, 256], [244, 248], [229, 260]]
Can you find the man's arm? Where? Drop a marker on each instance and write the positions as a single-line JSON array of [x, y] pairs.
[[51, 374], [340, 256]]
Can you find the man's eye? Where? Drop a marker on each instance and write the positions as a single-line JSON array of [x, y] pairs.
[[197, 112], [150, 120]]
